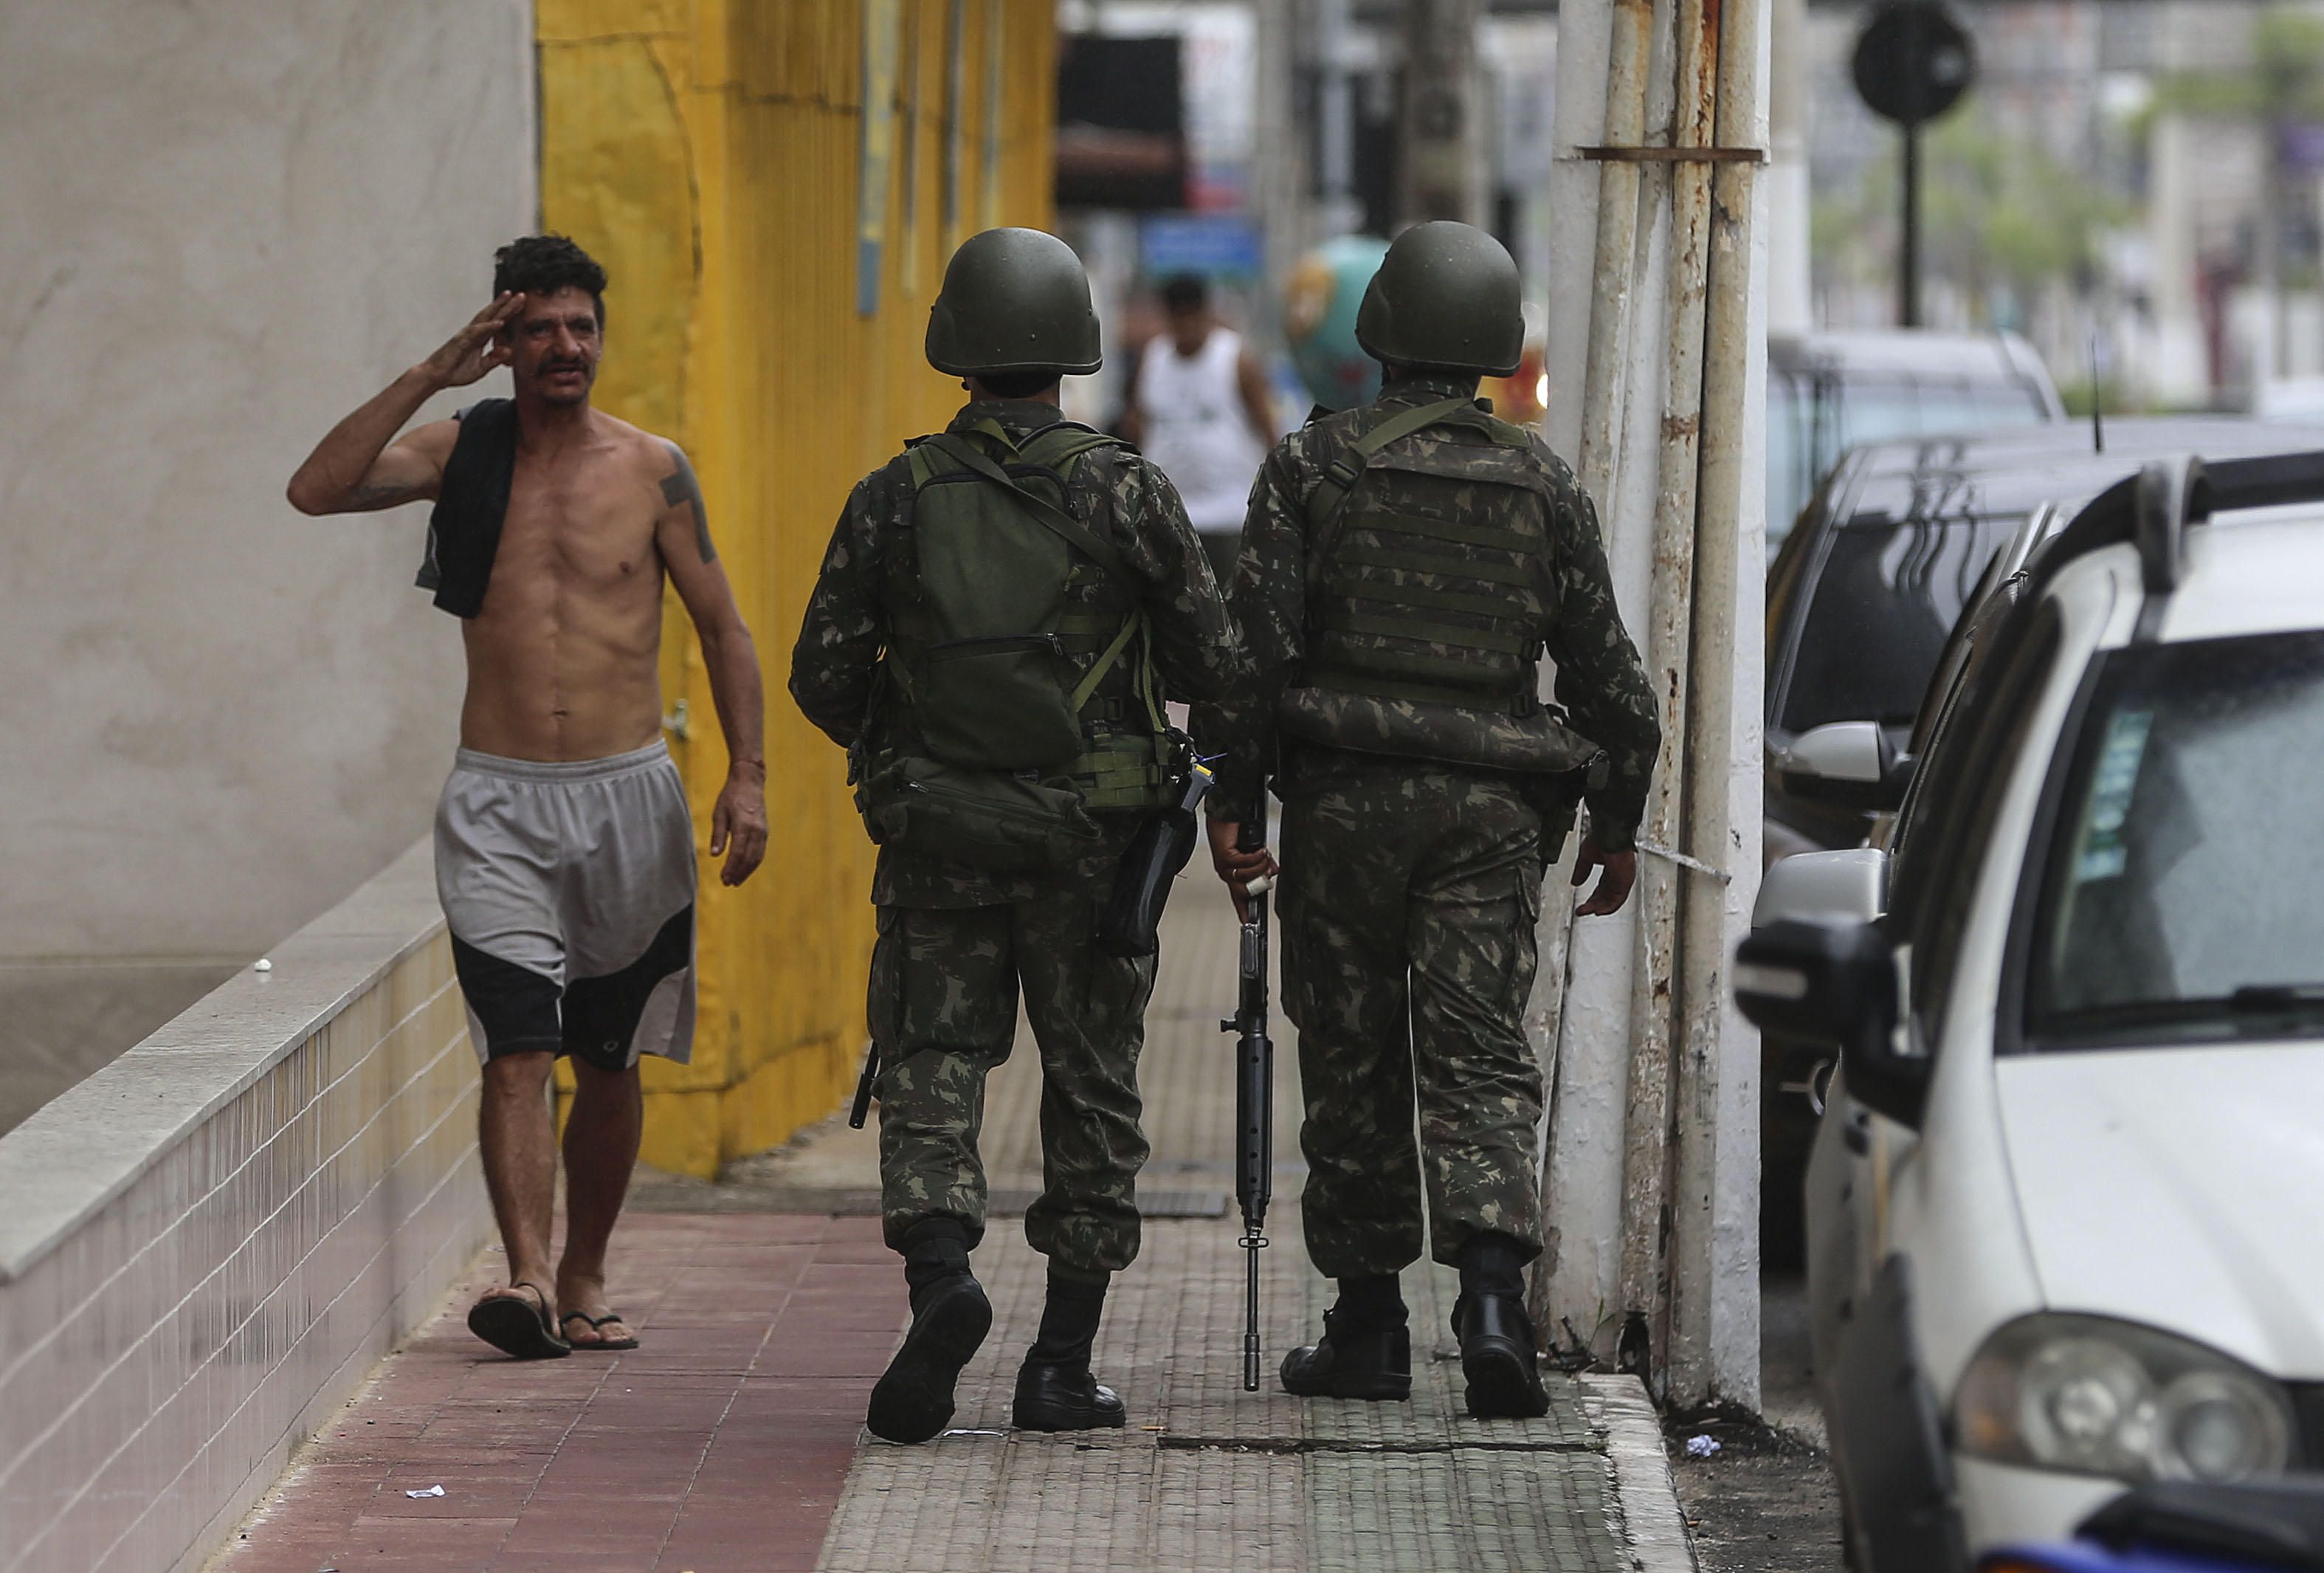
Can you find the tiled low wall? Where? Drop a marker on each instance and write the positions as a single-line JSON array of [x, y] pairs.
[[205, 1245]]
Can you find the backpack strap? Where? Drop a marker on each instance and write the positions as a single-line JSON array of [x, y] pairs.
[[969, 456], [1325, 502], [1105, 662], [1060, 446]]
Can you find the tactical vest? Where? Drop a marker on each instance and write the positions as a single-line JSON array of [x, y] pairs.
[[1426, 603], [1018, 689]]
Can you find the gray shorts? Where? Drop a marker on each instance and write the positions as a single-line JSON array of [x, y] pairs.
[[569, 891]]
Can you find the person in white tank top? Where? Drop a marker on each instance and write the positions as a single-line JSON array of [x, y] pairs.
[[1200, 409]]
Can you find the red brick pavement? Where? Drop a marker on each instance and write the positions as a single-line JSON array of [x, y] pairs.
[[720, 1446]]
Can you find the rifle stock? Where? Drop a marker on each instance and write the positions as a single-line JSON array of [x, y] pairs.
[[1254, 1094]]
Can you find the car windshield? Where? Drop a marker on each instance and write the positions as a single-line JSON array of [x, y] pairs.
[[1815, 416], [1881, 606], [2180, 900]]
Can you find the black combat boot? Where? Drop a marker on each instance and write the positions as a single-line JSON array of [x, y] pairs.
[[1366, 1350], [1497, 1343], [950, 1317], [1055, 1388]]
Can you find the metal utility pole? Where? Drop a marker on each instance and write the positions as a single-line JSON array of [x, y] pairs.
[[1908, 264], [1657, 320], [1279, 188], [1335, 130], [1440, 130]]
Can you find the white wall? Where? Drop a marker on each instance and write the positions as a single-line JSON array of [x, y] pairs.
[[209, 1243], [226, 222]]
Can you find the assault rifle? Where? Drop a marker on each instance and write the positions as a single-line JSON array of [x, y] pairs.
[[1254, 1091]]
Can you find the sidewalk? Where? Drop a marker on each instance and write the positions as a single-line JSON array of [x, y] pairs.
[[732, 1440]]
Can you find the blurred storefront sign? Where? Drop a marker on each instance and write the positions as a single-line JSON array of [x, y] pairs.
[[1122, 138], [1125, 112], [1215, 246]]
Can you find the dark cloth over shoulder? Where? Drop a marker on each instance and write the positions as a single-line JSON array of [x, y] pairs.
[[464, 532]]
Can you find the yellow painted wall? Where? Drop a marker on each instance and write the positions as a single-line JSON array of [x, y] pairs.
[[706, 152]]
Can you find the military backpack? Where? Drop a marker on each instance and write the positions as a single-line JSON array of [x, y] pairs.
[[996, 728]]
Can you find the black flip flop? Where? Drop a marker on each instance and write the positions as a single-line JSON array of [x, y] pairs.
[[604, 1346], [516, 1327]]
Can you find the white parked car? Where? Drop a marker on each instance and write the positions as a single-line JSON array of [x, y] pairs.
[[2066, 1206]]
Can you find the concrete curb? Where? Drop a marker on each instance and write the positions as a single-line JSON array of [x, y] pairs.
[[1654, 1530]]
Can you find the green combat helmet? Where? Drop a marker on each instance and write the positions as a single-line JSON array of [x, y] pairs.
[[1014, 300], [1445, 295]]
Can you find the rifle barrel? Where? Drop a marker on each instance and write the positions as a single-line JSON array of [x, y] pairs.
[[1254, 1091]]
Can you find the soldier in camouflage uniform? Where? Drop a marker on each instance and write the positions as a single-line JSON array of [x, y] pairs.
[[956, 940], [1405, 567]]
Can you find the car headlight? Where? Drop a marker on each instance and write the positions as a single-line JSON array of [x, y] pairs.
[[2101, 1397]]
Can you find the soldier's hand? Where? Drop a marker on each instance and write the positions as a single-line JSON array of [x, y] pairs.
[[476, 348], [738, 825], [1619, 873], [1236, 867]]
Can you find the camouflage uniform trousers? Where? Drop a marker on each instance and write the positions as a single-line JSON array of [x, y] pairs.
[[944, 1012], [1409, 899]]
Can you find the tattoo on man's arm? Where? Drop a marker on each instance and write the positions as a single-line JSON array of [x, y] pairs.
[[369, 494], [680, 486]]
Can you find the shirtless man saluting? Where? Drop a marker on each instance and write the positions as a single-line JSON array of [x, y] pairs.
[[563, 853]]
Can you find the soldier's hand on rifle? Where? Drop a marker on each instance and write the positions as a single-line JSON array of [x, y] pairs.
[[1620, 872], [1236, 867]]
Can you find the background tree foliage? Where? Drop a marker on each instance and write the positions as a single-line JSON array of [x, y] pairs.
[[2285, 85], [2001, 219]]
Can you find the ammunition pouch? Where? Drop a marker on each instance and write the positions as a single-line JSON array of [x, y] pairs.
[[1535, 744], [985, 819], [1554, 764]]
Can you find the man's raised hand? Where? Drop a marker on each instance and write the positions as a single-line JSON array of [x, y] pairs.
[[476, 348]]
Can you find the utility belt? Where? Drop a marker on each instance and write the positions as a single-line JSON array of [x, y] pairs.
[[1321, 730]]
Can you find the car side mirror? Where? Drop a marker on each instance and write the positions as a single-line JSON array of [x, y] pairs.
[[1846, 765], [1834, 983], [1849, 885]]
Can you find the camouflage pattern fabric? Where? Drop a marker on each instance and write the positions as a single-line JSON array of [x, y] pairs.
[[944, 1012], [1600, 685], [1408, 899], [1411, 886], [835, 663]]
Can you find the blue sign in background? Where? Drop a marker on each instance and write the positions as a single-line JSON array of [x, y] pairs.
[[1219, 246]]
